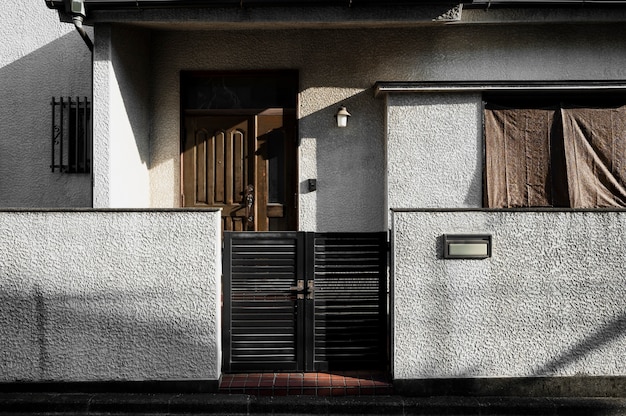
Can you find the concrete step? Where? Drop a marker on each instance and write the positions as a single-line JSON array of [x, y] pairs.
[[221, 404]]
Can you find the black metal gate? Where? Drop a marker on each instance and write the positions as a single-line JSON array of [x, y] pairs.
[[298, 301]]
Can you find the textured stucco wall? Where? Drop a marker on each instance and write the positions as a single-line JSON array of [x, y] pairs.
[[39, 58], [121, 118], [434, 150], [96, 296], [347, 163], [435, 140], [549, 302]]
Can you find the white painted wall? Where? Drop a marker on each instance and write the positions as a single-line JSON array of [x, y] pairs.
[[40, 58], [434, 150], [99, 296], [434, 142], [549, 302], [121, 118]]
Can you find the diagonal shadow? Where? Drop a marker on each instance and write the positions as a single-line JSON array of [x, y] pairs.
[[602, 336]]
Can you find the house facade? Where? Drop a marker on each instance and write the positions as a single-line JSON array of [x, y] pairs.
[[429, 87]]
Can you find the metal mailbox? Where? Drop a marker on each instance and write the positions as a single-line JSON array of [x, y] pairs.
[[466, 246]]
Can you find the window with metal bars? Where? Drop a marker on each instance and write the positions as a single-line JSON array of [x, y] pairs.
[[71, 135]]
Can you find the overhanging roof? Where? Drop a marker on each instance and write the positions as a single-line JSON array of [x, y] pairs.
[[147, 4]]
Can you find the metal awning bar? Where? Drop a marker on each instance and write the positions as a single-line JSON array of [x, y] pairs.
[[381, 87]]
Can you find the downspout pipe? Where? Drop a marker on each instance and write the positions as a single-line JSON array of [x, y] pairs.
[[78, 23], [77, 8]]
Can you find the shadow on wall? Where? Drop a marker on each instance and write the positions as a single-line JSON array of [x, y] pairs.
[[543, 383], [60, 68], [602, 336], [350, 165], [100, 336], [131, 64]]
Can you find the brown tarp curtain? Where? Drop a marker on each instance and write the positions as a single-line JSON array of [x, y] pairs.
[[558, 157]]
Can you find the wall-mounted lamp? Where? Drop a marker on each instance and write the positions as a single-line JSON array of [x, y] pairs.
[[342, 116]]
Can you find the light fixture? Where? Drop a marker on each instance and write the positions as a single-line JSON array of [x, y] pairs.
[[342, 116], [466, 246]]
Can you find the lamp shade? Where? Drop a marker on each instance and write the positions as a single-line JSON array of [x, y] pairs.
[[342, 117]]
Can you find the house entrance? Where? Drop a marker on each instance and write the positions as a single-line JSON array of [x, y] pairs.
[[238, 148], [303, 301]]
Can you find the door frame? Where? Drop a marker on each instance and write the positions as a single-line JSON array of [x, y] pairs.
[[288, 113]]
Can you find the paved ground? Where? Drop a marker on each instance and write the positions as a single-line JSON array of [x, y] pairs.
[[223, 404]]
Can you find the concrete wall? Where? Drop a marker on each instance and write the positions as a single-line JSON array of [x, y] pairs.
[[347, 163], [434, 142], [40, 58], [549, 302], [434, 150], [121, 118], [98, 296]]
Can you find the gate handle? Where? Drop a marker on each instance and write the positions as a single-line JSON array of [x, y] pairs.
[[299, 288], [249, 198]]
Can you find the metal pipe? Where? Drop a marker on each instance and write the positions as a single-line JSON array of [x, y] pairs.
[[78, 23]]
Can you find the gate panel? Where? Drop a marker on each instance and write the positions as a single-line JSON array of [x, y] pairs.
[[350, 274], [263, 331], [296, 301]]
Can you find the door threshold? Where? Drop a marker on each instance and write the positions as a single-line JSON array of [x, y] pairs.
[[342, 383]]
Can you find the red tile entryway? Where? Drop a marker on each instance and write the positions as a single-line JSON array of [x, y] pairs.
[[313, 384]]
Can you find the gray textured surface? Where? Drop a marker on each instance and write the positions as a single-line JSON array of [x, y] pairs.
[[434, 150], [96, 296], [550, 302], [40, 58], [434, 157], [347, 163]]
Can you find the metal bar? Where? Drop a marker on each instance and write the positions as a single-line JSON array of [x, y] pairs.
[[77, 137], [85, 136], [61, 135], [53, 132], [89, 143]]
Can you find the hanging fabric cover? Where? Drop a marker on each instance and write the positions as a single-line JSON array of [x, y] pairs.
[[595, 148], [568, 157]]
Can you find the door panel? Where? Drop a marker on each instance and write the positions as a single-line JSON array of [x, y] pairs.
[[215, 166], [276, 171], [244, 164]]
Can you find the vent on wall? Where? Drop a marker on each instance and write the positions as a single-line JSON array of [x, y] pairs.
[[71, 135]]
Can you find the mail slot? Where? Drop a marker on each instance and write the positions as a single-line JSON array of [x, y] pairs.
[[466, 246]]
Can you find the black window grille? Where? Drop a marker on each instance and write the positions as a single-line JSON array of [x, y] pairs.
[[71, 135]]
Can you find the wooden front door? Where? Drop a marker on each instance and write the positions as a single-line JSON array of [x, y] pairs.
[[243, 163]]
